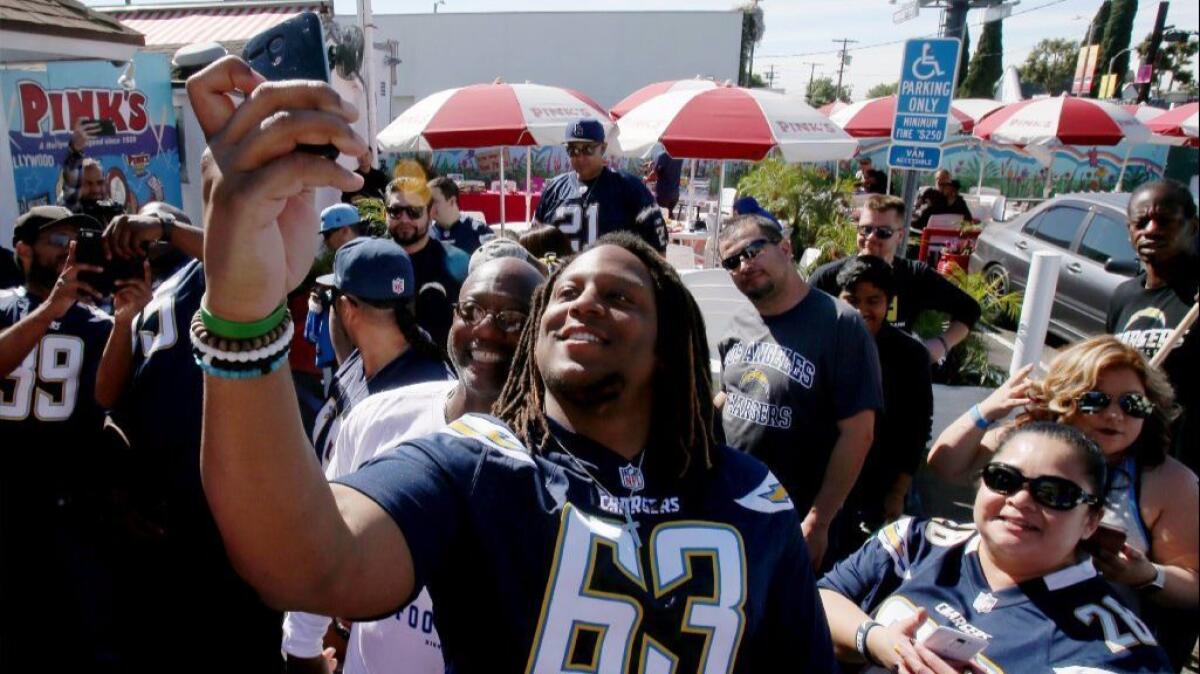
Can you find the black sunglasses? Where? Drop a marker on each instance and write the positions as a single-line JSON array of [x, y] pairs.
[[1135, 405], [413, 212], [581, 149], [750, 252], [508, 320], [881, 233], [1056, 493]]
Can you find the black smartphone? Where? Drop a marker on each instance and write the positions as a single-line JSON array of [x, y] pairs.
[[103, 127], [89, 249], [293, 50]]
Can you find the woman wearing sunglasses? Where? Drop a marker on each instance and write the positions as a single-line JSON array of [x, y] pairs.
[[1011, 593], [1105, 389]]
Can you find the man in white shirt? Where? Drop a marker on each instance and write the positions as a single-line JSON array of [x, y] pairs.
[[488, 318]]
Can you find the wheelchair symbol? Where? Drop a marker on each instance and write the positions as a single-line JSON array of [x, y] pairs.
[[926, 66]]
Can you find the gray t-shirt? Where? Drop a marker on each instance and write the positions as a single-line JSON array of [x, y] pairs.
[[789, 379]]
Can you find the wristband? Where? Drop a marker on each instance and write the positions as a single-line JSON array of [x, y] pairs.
[[166, 222], [235, 330], [945, 346], [981, 421], [860, 640], [1158, 582]]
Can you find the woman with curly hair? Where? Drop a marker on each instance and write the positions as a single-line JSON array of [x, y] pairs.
[[1107, 390]]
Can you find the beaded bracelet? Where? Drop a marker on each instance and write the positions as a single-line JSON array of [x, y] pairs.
[[245, 358], [235, 330], [233, 345], [223, 373], [264, 352]]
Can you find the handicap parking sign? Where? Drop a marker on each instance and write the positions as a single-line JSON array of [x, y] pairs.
[[928, 73]]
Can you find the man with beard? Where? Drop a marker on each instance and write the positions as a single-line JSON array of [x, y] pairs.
[[1163, 228], [51, 338], [602, 528], [800, 376], [439, 267], [488, 318]]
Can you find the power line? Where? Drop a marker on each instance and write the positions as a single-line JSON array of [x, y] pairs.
[[876, 45]]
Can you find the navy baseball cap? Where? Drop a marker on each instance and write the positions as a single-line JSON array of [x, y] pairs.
[[40, 217], [339, 216], [585, 130], [377, 270]]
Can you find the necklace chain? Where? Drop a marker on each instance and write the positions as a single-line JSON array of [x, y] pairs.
[[626, 507]]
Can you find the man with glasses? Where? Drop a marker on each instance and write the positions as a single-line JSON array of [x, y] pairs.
[[1143, 311], [438, 267], [800, 378], [919, 287], [488, 319], [51, 338], [593, 199]]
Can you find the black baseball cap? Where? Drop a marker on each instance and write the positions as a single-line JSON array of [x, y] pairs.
[[40, 217]]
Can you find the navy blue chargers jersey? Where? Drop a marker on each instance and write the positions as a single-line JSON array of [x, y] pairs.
[[1067, 622], [350, 386], [50, 396], [612, 201], [162, 406], [532, 568]]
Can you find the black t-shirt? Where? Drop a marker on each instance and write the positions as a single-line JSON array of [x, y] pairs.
[[375, 183], [959, 207], [439, 269], [918, 288], [1143, 319], [902, 430]]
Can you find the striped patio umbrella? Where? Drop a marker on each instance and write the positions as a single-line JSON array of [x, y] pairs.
[[873, 118], [1180, 122], [658, 88]]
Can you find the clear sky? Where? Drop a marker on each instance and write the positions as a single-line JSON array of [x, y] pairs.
[[800, 31]]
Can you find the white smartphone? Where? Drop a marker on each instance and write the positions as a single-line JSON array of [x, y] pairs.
[[951, 644]]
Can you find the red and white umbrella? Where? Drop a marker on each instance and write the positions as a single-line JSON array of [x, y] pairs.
[[830, 108], [1062, 120], [975, 109], [732, 123], [657, 89], [1043, 124], [1143, 112], [1180, 122], [489, 115], [873, 118]]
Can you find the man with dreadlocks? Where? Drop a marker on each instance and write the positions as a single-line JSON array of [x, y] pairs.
[[603, 528]]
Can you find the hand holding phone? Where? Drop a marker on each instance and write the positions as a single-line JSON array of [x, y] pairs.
[[951, 644]]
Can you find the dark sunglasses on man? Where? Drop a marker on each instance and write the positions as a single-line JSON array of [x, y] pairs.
[[751, 251], [1056, 493], [508, 320], [1135, 405], [582, 149], [413, 212], [880, 232]]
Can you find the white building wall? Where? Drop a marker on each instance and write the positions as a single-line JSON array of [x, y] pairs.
[[606, 55]]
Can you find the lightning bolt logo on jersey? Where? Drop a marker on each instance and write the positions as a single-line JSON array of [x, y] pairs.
[[612, 201], [1067, 621], [532, 570]]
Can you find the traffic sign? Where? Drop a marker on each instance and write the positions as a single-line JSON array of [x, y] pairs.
[[914, 157], [928, 73]]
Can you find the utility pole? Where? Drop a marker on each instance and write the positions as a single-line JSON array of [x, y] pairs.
[[812, 71], [954, 18], [837, 93], [771, 77], [1152, 52]]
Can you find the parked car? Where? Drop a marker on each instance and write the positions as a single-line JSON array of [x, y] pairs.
[[1089, 230]]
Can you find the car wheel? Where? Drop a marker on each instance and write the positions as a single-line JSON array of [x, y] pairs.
[[997, 277]]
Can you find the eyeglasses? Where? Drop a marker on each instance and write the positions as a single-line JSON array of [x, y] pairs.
[[60, 240], [1135, 405], [1056, 493], [413, 212], [582, 149], [508, 320], [751, 251], [882, 233]]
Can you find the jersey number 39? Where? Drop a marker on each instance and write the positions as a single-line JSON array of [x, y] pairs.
[[586, 628], [46, 383]]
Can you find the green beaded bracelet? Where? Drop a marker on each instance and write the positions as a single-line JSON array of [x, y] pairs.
[[234, 330]]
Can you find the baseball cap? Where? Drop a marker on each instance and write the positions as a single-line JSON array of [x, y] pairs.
[[494, 249], [339, 216], [40, 217], [750, 206], [585, 130], [372, 269]]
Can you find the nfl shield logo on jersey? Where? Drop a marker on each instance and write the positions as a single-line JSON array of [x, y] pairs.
[[631, 478]]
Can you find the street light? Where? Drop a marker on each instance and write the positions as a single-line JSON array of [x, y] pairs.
[[435, 5], [1113, 60]]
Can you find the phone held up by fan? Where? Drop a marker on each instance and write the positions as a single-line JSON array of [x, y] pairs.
[[300, 49]]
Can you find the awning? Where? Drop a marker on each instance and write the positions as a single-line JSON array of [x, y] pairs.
[[181, 25]]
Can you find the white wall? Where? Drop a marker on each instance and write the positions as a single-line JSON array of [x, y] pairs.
[[606, 55]]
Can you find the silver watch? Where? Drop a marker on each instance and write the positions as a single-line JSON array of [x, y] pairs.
[[1158, 582]]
